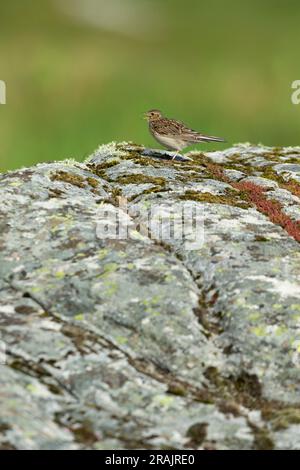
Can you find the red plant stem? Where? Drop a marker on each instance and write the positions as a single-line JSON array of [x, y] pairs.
[[273, 209], [256, 195]]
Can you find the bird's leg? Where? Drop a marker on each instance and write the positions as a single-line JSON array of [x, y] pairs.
[[177, 153]]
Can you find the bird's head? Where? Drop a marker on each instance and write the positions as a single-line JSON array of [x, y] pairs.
[[153, 115]]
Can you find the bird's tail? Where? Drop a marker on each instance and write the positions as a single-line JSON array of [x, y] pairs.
[[194, 137], [207, 138]]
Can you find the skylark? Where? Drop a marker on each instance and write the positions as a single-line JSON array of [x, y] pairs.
[[173, 134]]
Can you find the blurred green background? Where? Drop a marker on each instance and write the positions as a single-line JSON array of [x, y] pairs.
[[81, 72]]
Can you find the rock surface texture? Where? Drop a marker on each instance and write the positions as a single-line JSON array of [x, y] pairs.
[[147, 340]]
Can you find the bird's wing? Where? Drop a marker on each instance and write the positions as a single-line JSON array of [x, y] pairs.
[[168, 127], [172, 127], [190, 133]]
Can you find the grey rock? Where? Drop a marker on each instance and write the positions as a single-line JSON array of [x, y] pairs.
[[122, 327], [263, 182], [289, 171]]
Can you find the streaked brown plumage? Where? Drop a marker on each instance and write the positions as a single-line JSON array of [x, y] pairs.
[[173, 134]]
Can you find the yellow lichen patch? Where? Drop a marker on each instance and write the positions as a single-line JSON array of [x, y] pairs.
[[59, 274], [281, 330], [54, 192], [130, 266], [261, 238], [16, 183], [121, 340], [164, 401], [92, 182], [254, 316], [79, 317], [110, 287], [138, 159], [110, 268], [140, 179], [99, 169], [71, 178], [259, 331], [282, 419], [102, 253], [230, 198], [74, 179], [153, 190]]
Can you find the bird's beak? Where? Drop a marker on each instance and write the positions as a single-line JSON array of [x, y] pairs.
[[145, 116]]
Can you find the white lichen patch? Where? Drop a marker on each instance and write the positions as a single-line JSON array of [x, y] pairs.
[[284, 197], [211, 186], [284, 288], [253, 217], [106, 151], [293, 212]]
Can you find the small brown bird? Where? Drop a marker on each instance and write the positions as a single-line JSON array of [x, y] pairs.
[[173, 134]]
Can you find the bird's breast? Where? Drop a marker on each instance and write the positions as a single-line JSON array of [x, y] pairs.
[[173, 143]]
